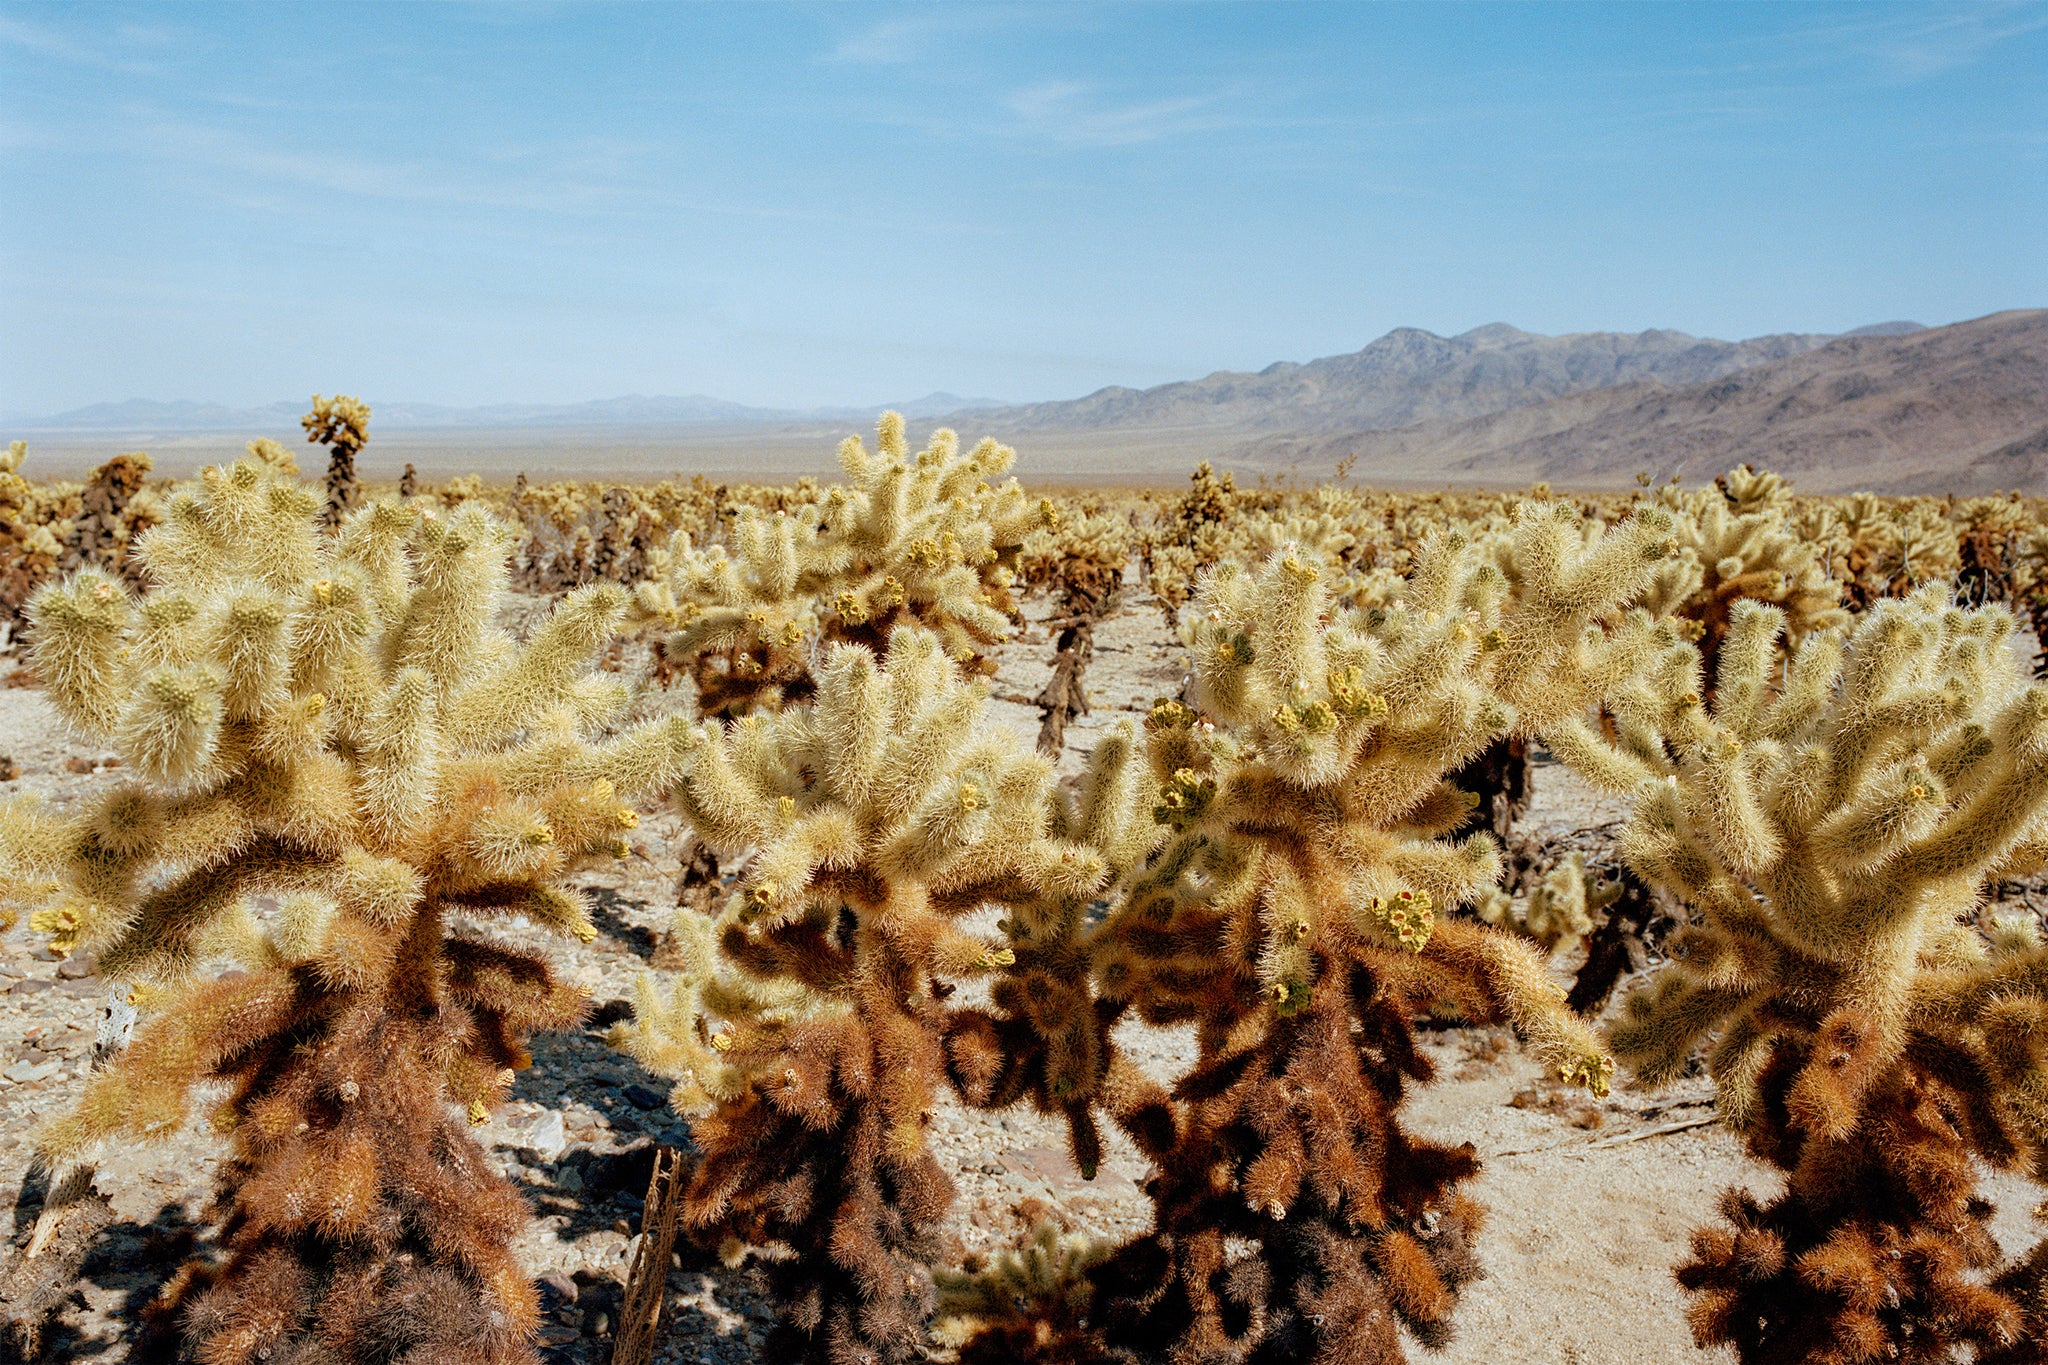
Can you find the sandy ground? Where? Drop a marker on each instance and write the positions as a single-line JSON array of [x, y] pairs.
[[1584, 1223]]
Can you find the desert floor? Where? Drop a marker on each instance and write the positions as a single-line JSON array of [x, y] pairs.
[[1587, 1214]]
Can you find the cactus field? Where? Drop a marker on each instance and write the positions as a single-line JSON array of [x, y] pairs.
[[1218, 924]]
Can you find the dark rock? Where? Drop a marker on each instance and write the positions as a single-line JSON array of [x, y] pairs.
[[615, 1011], [77, 968], [641, 1097], [600, 1293], [626, 1171], [31, 985]]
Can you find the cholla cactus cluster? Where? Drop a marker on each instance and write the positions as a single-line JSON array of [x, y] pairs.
[[342, 776], [1294, 918], [1273, 860], [923, 538], [29, 547], [1833, 819], [583, 533], [1561, 908], [115, 508]]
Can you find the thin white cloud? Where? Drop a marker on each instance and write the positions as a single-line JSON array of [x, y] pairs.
[[148, 35], [1069, 113], [889, 42], [917, 35], [571, 178], [48, 42], [1955, 41], [1907, 49]]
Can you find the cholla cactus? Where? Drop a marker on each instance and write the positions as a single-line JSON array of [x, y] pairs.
[[342, 775], [883, 812], [1083, 561], [1735, 545], [1202, 529], [29, 549], [1834, 832], [1029, 1304], [1748, 491], [341, 424], [1560, 908], [1293, 918], [921, 539], [686, 1037], [100, 537], [2031, 588], [1990, 549]]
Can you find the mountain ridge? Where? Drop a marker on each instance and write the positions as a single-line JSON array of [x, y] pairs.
[[1958, 409], [1406, 376], [1411, 375], [1891, 406]]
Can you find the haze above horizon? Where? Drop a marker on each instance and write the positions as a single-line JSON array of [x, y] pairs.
[[803, 207]]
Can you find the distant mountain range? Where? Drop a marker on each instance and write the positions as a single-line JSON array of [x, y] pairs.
[[1894, 406], [1410, 376], [1959, 409], [147, 415]]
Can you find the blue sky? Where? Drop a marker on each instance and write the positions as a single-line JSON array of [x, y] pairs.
[[814, 204]]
